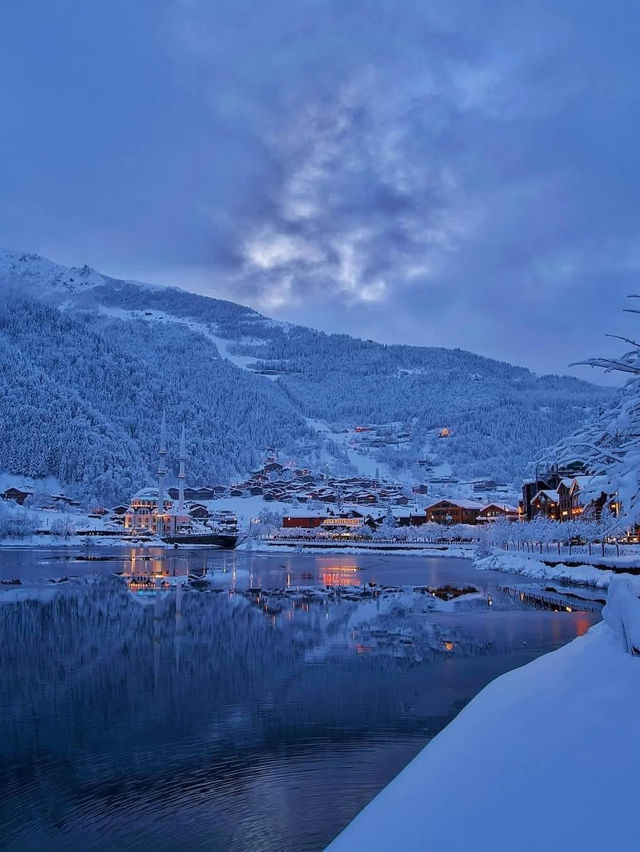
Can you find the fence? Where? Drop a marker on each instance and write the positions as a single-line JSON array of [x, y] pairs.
[[559, 548]]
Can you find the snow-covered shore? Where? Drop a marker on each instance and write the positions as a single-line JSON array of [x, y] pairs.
[[516, 563], [464, 551], [544, 758]]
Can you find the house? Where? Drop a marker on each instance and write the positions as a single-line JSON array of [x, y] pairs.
[[198, 511], [498, 510], [18, 495], [273, 467], [530, 489], [453, 512], [546, 503], [484, 485], [573, 505]]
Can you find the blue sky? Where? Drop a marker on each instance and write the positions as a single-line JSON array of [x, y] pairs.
[[439, 173]]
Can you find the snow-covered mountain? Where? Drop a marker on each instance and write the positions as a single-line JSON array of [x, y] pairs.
[[88, 362]]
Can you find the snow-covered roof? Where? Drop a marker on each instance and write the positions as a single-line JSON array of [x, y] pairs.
[[550, 493], [505, 507], [460, 503], [149, 494]]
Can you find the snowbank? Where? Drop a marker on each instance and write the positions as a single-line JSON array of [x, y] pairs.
[[544, 758], [516, 563], [461, 551], [622, 612]]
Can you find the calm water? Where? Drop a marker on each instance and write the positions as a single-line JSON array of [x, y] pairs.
[[232, 720]]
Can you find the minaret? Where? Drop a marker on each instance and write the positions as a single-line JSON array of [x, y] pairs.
[[162, 470], [182, 475]]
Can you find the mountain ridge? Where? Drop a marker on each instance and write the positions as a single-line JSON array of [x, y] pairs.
[[121, 351]]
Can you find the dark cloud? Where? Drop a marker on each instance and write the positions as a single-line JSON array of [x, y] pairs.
[[459, 174]]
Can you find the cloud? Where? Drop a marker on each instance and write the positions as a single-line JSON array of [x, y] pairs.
[[448, 173]]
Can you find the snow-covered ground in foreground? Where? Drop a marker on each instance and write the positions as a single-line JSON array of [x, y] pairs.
[[544, 758], [516, 563]]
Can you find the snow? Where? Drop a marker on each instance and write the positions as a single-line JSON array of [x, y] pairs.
[[622, 611], [515, 563], [545, 757]]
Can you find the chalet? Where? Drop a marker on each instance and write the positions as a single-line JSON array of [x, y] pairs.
[[67, 501], [530, 489], [498, 510], [367, 497], [453, 512], [484, 485], [573, 505], [409, 517], [546, 503], [273, 467], [98, 512], [18, 495], [198, 511], [236, 492]]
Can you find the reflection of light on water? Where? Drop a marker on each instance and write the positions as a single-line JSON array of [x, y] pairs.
[[339, 578], [582, 625], [144, 570], [338, 572]]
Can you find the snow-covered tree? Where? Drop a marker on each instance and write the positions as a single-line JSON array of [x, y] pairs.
[[609, 445]]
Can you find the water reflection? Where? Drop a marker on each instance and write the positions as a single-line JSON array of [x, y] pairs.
[[242, 717]]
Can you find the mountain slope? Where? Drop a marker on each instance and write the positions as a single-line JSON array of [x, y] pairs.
[[89, 362]]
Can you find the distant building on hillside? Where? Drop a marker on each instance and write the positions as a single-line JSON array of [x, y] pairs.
[[18, 495]]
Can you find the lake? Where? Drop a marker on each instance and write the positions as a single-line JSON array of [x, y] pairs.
[[257, 713]]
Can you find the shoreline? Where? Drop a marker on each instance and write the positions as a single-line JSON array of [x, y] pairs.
[[530, 728]]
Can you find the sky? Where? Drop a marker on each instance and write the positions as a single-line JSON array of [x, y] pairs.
[[437, 173]]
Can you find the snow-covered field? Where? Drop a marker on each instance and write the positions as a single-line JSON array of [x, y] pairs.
[[544, 758]]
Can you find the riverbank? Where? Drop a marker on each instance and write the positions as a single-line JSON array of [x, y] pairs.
[[280, 546], [516, 563], [545, 757]]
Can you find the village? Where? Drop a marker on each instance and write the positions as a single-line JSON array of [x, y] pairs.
[[282, 500]]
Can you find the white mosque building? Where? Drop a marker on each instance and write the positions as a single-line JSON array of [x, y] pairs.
[[150, 513]]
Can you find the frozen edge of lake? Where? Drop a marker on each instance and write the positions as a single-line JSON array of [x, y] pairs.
[[545, 757], [515, 563]]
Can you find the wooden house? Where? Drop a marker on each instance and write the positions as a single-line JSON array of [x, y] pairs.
[[498, 510], [453, 512]]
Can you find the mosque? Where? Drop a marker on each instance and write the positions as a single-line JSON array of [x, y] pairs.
[[150, 513]]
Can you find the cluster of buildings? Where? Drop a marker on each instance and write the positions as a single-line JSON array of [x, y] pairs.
[[449, 512], [45, 501], [286, 483], [558, 496]]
